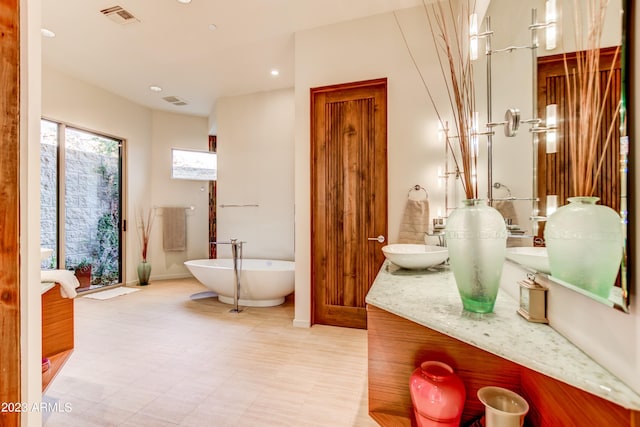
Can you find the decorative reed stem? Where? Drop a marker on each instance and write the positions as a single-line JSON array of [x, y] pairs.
[[144, 224], [587, 100], [450, 35]]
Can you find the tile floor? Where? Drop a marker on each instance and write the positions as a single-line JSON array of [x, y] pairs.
[[165, 356]]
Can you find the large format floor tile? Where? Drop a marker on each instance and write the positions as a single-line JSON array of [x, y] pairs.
[[167, 356]]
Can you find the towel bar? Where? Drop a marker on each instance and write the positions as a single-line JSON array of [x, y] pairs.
[[418, 188]]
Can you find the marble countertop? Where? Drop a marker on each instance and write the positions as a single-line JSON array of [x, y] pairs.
[[430, 298]]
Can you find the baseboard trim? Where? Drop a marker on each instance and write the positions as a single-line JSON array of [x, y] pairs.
[[301, 323]]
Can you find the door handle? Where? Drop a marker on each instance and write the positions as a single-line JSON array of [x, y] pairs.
[[380, 238]]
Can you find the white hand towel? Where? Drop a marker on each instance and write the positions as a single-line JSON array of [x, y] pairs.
[[507, 209], [415, 222], [174, 229], [66, 278]]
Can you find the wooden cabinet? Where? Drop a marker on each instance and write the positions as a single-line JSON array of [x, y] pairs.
[[57, 332], [397, 346]]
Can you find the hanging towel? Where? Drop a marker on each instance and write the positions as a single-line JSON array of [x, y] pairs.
[[174, 229], [415, 222], [507, 209], [66, 278]]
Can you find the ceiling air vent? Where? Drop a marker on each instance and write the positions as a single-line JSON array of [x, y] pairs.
[[175, 100], [119, 15]]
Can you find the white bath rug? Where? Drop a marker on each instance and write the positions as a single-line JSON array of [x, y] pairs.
[[111, 293]]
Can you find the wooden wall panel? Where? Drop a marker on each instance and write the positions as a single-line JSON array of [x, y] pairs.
[[10, 390], [213, 220], [559, 404]]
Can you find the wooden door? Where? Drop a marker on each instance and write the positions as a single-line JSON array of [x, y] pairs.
[[348, 198]]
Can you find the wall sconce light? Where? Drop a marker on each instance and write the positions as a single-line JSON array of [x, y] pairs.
[[552, 203], [443, 128], [473, 36], [551, 17], [552, 128]]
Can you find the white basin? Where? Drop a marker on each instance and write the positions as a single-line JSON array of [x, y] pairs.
[[533, 257], [415, 257], [45, 253]]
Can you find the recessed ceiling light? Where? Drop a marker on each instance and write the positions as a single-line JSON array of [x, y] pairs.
[[275, 72], [47, 33], [155, 88], [184, 1], [213, 27]]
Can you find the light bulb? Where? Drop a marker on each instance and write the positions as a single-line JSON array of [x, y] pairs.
[[473, 36], [552, 203], [551, 122], [551, 23]]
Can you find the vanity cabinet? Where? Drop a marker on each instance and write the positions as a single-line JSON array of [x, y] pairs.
[[397, 346], [416, 317], [57, 331]]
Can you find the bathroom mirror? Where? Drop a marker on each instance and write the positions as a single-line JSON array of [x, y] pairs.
[[519, 172]]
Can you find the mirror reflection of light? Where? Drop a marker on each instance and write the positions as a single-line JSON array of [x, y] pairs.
[[552, 203], [552, 145], [473, 36], [551, 21], [442, 131], [551, 122]]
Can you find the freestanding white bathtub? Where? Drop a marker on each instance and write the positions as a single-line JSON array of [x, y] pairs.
[[263, 282]]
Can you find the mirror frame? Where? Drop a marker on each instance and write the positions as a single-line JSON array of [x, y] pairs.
[[628, 70]]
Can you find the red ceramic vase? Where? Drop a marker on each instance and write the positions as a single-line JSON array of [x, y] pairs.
[[437, 394]]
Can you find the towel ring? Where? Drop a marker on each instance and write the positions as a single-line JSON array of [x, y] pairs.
[[418, 188]]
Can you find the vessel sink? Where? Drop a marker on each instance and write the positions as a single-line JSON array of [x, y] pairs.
[[414, 256], [535, 258], [45, 253]]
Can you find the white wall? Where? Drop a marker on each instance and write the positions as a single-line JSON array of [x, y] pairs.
[[360, 50], [255, 166], [149, 136], [80, 104], [30, 295], [169, 131]]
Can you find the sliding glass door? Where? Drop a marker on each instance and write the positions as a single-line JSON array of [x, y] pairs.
[[81, 203]]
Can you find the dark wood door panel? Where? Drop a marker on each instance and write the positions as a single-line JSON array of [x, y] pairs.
[[348, 198]]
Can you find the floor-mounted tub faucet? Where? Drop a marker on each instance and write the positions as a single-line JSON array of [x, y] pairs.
[[236, 253]]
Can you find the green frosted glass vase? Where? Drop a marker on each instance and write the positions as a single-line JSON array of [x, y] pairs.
[[476, 236], [144, 272], [585, 243]]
